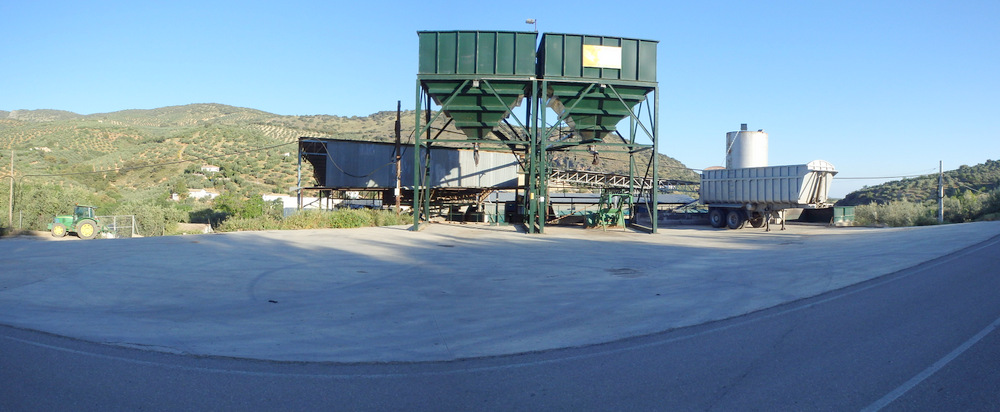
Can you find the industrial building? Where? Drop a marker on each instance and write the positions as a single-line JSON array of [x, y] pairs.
[[456, 175], [478, 80], [496, 89]]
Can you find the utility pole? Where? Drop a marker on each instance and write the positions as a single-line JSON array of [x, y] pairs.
[[10, 204], [940, 191], [399, 156]]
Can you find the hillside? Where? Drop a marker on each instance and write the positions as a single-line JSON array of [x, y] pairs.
[[63, 142], [140, 151], [980, 178], [137, 155]]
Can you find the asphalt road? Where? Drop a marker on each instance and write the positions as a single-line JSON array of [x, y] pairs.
[[923, 338]]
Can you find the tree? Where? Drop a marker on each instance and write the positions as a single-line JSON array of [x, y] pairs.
[[971, 205], [246, 205], [991, 203], [180, 187], [953, 210]]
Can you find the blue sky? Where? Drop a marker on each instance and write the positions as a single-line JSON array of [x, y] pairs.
[[878, 88]]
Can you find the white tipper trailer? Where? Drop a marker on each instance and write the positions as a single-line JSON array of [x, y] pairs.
[[757, 194]]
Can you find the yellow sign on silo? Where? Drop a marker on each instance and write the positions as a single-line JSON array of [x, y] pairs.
[[605, 57]]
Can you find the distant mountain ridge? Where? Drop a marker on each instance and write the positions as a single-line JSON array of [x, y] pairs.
[[43, 115], [171, 124], [143, 154], [69, 142]]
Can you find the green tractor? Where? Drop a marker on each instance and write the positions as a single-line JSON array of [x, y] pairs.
[[83, 222]]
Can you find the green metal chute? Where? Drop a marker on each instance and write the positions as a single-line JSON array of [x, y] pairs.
[[594, 110], [477, 107]]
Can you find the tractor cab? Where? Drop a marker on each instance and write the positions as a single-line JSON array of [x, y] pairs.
[[83, 212]]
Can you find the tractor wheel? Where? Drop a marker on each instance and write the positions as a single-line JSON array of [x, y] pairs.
[[735, 219], [58, 230], [86, 229], [717, 217]]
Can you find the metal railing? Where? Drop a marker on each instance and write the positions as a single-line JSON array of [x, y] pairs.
[[610, 180]]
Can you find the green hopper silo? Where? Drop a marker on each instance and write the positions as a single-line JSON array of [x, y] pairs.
[[593, 82], [476, 77]]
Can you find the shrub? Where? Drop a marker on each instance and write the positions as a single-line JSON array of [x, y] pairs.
[[206, 215], [953, 210], [345, 218], [990, 206], [972, 205], [390, 218], [318, 219], [247, 205], [239, 224], [866, 215], [151, 219], [305, 219], [896, 214]]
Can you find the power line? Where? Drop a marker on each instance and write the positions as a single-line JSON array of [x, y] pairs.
[[927, 172], [880, 177]]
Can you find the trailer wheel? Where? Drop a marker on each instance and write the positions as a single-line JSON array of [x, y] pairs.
[[757, 220], [716, 217], [735, 219]]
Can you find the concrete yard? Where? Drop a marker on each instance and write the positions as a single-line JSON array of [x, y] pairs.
[[446, 292]]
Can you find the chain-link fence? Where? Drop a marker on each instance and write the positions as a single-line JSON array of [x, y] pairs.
[[118, 226]]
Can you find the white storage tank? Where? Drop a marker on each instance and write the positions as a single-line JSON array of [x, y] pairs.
[[746, 148]]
